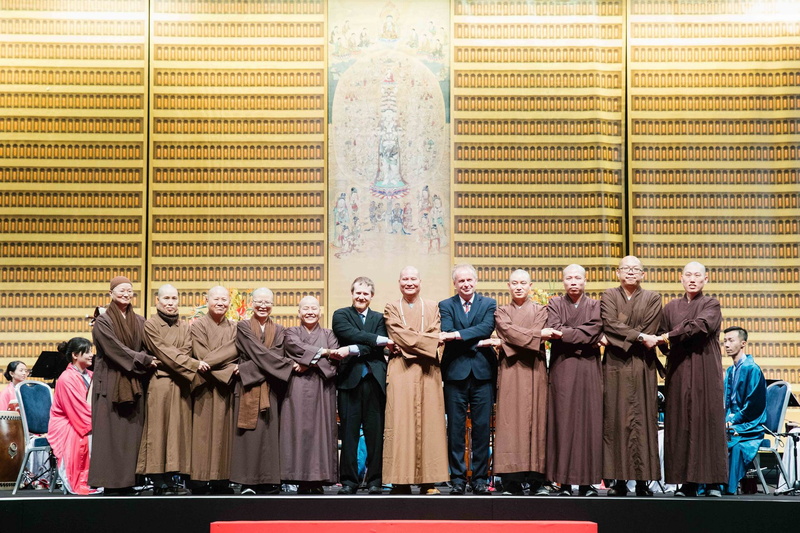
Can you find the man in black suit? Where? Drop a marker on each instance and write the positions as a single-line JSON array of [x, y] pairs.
[[362, 386], [469, 367]]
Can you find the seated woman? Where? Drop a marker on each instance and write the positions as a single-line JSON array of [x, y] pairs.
[[70, 427], [15, 373]]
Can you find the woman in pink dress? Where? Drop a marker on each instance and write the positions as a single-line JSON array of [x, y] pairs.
[[15, 373], [70, 427]]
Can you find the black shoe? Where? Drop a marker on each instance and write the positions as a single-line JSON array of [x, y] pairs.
[[539, 489], [618, 489], [124, 491], [400, 490], [375, 489], [347, 490], [687, 490], [311, 491], [566, 490], [481, 489], [643, 490], [268, 489], [587, 490], [458, 489]]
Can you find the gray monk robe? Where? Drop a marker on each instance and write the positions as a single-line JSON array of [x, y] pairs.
[[256, 455], [575, 403], [695, 445], [521, 417], [117, 405], [309, 436], [167, 436], [415, 439], [630, 409], [212, 416]]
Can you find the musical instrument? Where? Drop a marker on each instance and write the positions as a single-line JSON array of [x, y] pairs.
[[12, 447]]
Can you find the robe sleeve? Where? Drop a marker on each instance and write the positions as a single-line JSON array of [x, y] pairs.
[[413, 344], [70, 394], [262, 361], [176, 359], [516, 336], [304, 353], [703, 324], [617, 331], [587, 333], [130, 361]]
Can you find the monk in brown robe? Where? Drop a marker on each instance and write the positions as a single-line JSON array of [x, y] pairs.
[[631, 318], [575, 402], [309, 436], [521, 416], [167, 437], [213, 341], [415, 441], [695, 446], [263, 369], [120, 366]]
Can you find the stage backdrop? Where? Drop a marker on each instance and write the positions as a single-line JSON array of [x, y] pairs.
[[298, 144]]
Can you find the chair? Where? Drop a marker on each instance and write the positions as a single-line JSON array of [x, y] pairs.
[[778, 394], [35, 399]]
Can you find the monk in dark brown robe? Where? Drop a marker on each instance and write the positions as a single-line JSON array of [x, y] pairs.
[[167, 437], [631, 318], [263, 369], [521, 419], [309, 436], [120, 366], [415, 439], [575, 403], [695, 446], [214, 342]]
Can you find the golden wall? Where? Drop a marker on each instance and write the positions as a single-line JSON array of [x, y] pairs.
[[186, 141]]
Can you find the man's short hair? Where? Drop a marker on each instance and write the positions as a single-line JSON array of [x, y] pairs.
[[742, 332], [363, 280], [464, 266]]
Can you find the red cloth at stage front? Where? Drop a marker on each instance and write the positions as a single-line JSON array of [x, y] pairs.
[[403, 526]]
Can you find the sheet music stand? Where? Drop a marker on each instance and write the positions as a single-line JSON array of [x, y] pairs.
[[49, 365]]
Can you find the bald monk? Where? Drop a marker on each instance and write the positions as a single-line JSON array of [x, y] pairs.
[[631, 318], [415, 442], [166, 450], [214, 342], [308, 418], [521, 421], [263, 369]]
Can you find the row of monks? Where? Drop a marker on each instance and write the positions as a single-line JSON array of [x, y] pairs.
[[255, 403]]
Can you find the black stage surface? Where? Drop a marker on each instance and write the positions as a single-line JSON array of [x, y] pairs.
[[41, 511]]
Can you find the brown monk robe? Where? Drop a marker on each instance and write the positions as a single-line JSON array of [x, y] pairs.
[[309, 435], [575, 403], [415, 439], [695, 446], [256, 460], [521, 418], [212, 416], [117, 404], [167, 436], [630, 410]]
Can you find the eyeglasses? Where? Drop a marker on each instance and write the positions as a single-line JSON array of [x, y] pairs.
[[635, 270], [261, 303]]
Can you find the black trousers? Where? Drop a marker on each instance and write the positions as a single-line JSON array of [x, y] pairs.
[[362, 406], [478, 394]]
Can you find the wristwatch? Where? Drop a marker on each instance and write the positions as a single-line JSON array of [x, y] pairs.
[[640, 338]]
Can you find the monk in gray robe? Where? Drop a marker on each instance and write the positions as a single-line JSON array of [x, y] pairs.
[[575, 403], [415, 440], [521, 417], [120, 365], [309, 436], [263, 369], [165, 450], [214, 342], [695, 446], [631, 318]]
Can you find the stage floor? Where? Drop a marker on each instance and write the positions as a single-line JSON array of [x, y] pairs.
[[42, 511]]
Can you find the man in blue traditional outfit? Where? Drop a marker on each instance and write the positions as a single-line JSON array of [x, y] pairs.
[[745, 406]]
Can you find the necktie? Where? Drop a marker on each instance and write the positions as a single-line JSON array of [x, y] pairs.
[[363, 318], [466, 308]]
